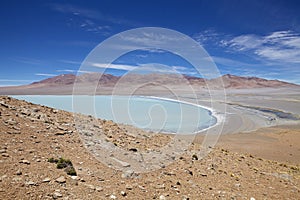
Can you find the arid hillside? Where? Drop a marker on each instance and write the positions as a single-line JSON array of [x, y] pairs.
[[34, 139]]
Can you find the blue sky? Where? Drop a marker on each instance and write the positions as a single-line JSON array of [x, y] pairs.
[[40, 39]]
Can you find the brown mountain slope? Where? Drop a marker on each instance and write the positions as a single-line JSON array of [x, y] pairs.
[[232, 81]]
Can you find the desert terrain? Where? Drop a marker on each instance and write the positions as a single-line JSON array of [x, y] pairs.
[[257, 155], [32, 134]]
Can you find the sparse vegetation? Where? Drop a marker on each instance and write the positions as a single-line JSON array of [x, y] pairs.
[[63, 163], [52, 160], [71, 171]]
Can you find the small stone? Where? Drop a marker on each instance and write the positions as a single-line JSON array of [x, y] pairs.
[[160, 186], [17, 179], [56, 195], [129, 187], [61, 179], [133, 149], [35, 109], [252, 198], [194, 157], [122, 163], [11, 122], [62, 128], [29, 183], [91, 187], [19, 172], [25, 162], [60, 133], [141, 187], [127, 174], [184, 197], [2, 150], [46, 180], [99, 189], [162, 197], [2, 103], [123, 193], [5, 154], [112, 196], [82, 180]]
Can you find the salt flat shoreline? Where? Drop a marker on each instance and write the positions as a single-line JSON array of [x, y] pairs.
[[237, 118], [241, 126]]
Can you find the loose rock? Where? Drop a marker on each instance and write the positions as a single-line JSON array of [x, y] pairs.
[[19, 172], [25, 162], [46, 180], [61, 179], [123, 193], [57, 195], [29, 183]]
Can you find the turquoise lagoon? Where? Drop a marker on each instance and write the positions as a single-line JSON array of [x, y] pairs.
[[149, 113]]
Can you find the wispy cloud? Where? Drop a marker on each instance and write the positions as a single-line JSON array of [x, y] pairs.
[[148, 68], [280, 46], [89, 13], [71, 62], [91, 20], [74, 71], [47, 75], [275, 55], [83, 18], [114, 66], [209, 36]]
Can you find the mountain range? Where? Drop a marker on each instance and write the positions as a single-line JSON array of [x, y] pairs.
[[63, 84]]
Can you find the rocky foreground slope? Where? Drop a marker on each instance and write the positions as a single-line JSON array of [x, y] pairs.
[[31, 134]]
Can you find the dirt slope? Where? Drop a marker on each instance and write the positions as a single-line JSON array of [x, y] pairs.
[[31, 134]]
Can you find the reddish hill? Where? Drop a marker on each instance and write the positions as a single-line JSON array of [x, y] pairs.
[[238, 82], [63, 79]]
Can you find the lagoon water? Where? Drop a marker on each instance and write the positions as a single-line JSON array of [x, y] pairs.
[[163, 115]]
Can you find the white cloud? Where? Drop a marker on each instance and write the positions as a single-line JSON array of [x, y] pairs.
[[161, 68], [73, 71], [245, 42], [148, 68], [280, 46], [114, 66], [90, 14], [70, 62], [152, 38], [48, 75]]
